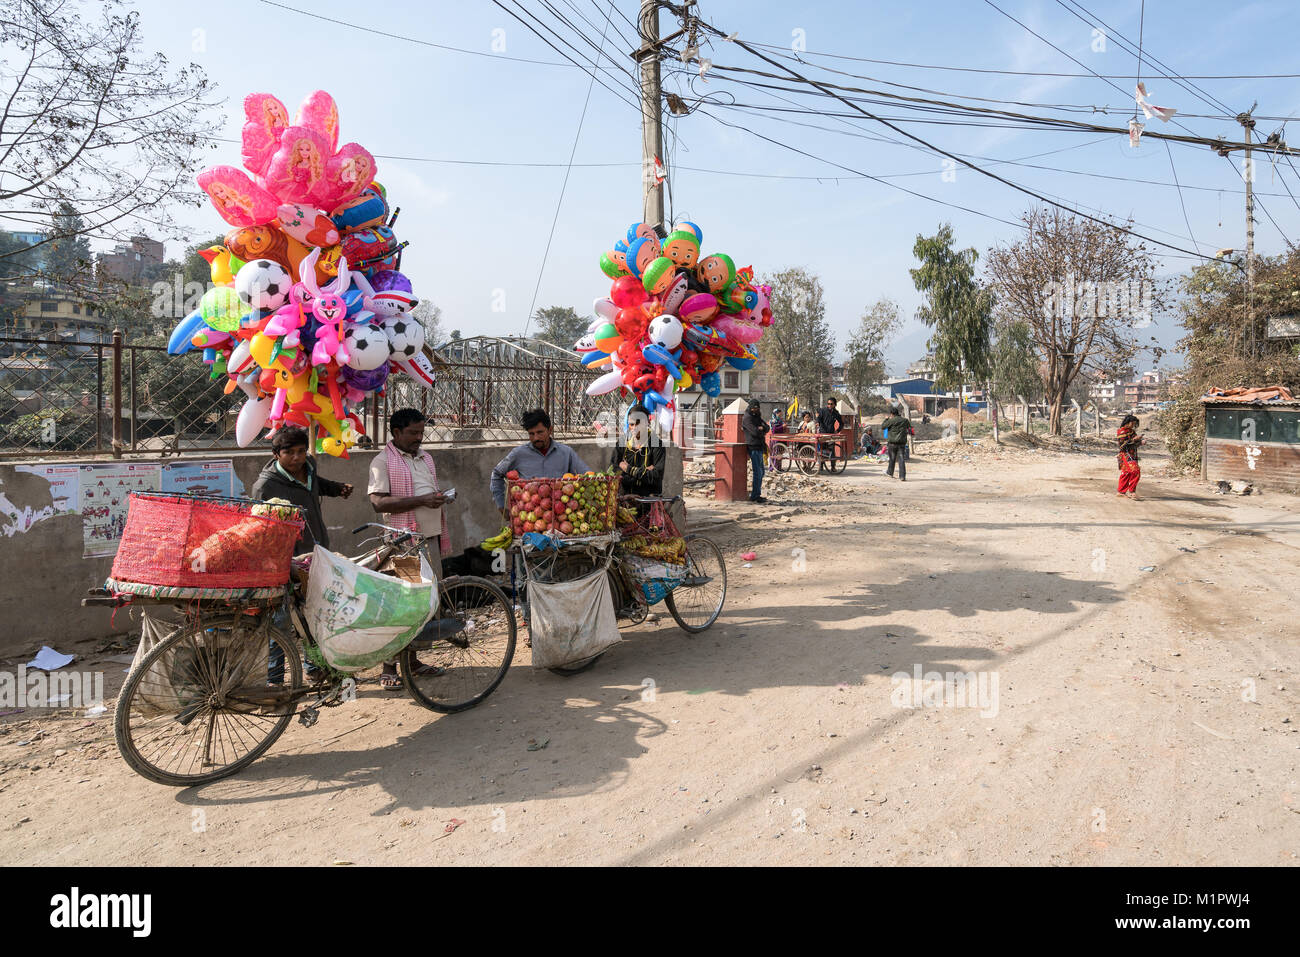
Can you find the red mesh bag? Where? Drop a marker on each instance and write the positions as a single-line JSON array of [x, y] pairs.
[[203, 542], [589, 500]]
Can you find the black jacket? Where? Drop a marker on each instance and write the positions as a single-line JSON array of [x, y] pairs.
[[755, 429], [272, 484], [645, 468], [829, 421]]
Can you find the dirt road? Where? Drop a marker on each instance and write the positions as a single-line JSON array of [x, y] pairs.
[[1127, 716]]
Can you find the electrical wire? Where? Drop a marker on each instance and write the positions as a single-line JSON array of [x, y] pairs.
[[316, 15], [1016, 186], [968, 69], [563, 187]]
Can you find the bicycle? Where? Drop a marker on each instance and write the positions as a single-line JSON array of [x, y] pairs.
[[695, 603], [199, 707]]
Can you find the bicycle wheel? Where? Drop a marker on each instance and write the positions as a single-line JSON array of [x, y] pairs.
[[806, 458], [198, 707], [779, 456], [696, 603], [471, 643]]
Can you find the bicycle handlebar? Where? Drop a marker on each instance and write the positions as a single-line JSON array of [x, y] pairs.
[[388, 528]]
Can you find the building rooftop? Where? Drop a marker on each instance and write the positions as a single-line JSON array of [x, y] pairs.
[[1263, 395]]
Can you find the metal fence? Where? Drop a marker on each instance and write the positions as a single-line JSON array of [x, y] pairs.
[[65, 399]]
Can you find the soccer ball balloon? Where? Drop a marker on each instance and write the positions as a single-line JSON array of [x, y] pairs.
[[263, 284], [405, 335], [368, 346]]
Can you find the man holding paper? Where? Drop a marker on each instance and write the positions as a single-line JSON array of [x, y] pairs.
[[404, 484], [403, 488]]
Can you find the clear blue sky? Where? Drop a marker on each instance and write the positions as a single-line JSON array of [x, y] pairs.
[[477, 229]]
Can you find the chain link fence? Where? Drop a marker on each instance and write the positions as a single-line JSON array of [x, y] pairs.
[[67, 399]]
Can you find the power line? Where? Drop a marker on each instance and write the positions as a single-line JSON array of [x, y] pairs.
[[931, 146], [968, 69], [563, 186], [316, 15]]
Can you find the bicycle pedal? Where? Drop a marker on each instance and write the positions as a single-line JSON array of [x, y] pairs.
[[308, 716]]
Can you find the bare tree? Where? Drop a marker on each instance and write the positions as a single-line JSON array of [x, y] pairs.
[[89, 124], [429, 315], [798, 345], [1082, 287]]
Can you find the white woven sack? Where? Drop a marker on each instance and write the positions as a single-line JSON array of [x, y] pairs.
[[360, 617], [571, 621]]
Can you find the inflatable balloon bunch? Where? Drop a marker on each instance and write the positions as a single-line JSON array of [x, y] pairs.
[[672, 318], [308, 313]]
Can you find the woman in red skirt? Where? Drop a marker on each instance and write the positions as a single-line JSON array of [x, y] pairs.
[[1129, 471]]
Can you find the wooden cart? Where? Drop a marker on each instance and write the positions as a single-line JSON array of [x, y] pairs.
[[809, 451]]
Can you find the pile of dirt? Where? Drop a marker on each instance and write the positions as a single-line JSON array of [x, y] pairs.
[[950, 415]]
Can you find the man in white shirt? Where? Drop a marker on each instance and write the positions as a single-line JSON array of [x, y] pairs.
[[403, 488]]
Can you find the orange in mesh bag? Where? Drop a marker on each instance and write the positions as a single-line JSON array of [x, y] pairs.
[[205, 542]]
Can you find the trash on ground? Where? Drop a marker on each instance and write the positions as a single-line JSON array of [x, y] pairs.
[[47, 659], [534, 745]]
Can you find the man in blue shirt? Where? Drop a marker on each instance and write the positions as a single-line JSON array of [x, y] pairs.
[[539, 457]]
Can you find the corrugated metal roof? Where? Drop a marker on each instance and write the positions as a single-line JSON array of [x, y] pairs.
[[1276, 395]]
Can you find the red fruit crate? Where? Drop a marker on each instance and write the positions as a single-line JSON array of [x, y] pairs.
[[186, 541], [562, 506]]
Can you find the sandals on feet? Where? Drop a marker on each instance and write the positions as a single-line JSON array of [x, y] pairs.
[[390, 682]]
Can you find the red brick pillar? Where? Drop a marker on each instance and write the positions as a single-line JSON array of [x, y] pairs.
[[731, 458]]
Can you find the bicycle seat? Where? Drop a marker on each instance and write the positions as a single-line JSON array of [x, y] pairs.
[[437, 629]]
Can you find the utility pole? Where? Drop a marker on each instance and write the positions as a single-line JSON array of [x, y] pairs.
[[1248, 123], [651, 130]]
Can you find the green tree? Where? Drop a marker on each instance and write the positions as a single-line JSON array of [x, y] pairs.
[[1015, 367], [1223, 349], [68, 261], [866, 362], [560, 325], [958, 309], [798, 346]]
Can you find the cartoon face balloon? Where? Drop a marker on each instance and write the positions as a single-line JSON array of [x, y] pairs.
[[716, 272]]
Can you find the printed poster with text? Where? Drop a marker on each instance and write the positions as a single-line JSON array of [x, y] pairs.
[[199, 478], [104, 502]]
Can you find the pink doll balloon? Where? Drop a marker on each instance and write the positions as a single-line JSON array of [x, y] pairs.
[[239, 200], [297, 169], [320, 113], [347, 173], [265, 120]]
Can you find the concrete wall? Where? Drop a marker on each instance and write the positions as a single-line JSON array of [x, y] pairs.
[[43, 576]]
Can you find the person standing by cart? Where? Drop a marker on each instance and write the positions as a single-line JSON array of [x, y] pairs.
[[641, 458], [755, 430], [404, 489], [539, 457], [829, 422], [292, 476]]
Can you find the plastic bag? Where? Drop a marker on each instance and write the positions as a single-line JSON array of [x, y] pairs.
[[571, 621], [361, 618]]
